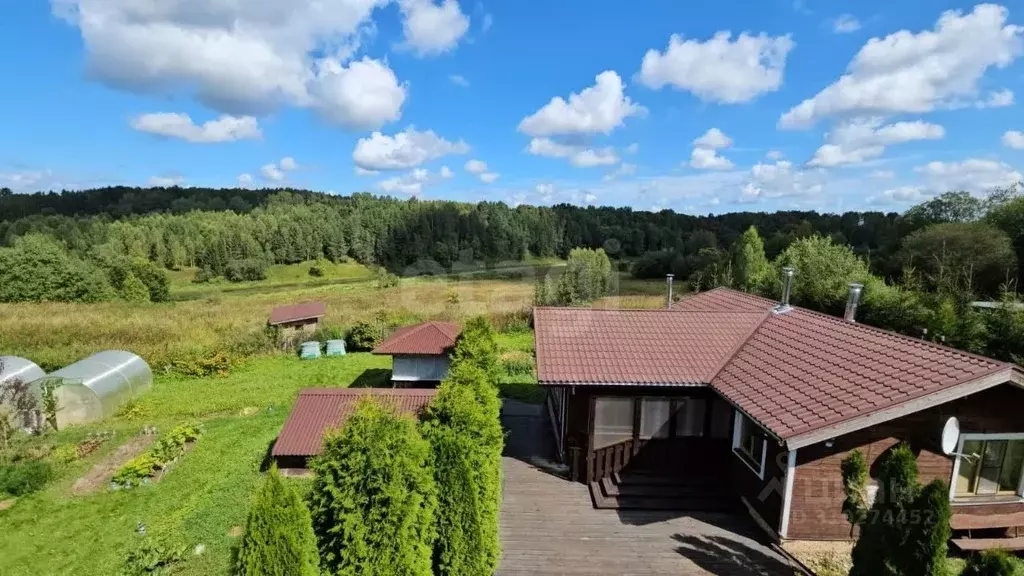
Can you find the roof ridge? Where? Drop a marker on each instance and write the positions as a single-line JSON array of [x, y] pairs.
[[739, 346], [899, 336]]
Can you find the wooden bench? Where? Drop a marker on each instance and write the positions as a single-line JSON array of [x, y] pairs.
[[970, 522]]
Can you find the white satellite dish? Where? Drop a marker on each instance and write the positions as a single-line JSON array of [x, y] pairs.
[[950, 435]]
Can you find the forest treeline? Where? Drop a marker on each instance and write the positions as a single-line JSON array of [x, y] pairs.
[[223, 231]]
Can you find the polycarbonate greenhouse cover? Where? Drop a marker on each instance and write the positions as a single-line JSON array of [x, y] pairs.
[[16, 367], [94, 388]]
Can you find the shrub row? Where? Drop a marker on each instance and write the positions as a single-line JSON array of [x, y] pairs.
[[166, 450]]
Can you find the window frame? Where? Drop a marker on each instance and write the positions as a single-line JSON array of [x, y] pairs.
[[980, 500], [740, 452]]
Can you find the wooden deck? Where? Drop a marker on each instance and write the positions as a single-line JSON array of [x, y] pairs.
[[548, 525]]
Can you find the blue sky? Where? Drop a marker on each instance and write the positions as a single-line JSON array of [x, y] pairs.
[[695, 106]]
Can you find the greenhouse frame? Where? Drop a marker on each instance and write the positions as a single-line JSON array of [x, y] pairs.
[[96, 387]]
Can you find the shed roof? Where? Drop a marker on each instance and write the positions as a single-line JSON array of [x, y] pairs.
[[795, 373], [428, 339], [297, 312], [318, 410]]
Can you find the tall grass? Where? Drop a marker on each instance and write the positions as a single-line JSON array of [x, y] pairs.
[[56, 334]]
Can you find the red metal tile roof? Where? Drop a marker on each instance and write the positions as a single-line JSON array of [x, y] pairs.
[[318, 410], [802, 371], [429, 338], [579, 345], [296, 312], [794, 372], [723, 300]]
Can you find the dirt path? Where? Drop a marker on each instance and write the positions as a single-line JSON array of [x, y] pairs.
[[99, 476]]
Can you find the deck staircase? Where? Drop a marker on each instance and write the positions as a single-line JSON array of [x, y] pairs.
[[651, 491]]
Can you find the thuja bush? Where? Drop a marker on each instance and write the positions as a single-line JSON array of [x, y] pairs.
[[990, 563], [279, 539], [478, 345], [374, 498], [459, 548], [906, 530], [467, 407]]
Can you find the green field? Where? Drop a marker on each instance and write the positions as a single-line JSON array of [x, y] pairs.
[[203, 496]]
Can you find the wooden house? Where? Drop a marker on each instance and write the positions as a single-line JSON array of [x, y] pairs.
[[420, 353], [729, 400]]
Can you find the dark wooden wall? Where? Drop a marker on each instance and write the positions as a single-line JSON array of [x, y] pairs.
[[816, 509], [765, 496]]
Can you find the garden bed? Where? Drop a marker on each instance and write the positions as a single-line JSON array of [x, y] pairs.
[[98, 477]]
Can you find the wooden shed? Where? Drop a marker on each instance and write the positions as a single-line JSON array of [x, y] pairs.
[[294, 322]]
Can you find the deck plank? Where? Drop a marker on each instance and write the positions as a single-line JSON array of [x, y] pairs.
[[549, 527]]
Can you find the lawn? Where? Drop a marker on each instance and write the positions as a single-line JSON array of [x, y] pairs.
[[204, 495]]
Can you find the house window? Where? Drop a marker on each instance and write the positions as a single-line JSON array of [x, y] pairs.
[[690, 414], [613, 421], [748, 442], [654, 417], [990, 466]]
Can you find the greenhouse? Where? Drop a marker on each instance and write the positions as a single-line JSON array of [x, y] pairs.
[[94, 388], [14, 367]]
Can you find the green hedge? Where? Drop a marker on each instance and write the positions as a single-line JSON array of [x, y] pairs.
[[374, 498], [279, 537]]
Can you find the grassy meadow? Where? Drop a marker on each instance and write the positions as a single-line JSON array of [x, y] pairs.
[[56, 334]]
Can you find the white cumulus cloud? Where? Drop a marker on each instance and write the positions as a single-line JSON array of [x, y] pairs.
[[713, 139], [778, 180], [720, 69], [860, 140], [579, 156], [598, 109], [489, 177], [272, 172], [241, 57], [414, 181], [914, 73], [1013, 139], [999, 99], [476, 166], [433, 28], [975, 175], [406, 149], [708, 159], [705, 156], [226, 128], [245, 180]]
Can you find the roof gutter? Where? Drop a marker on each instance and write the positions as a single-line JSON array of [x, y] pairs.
[[1002, 375]]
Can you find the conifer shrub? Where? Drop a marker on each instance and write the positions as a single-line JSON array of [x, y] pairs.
[[279, 539], [458, 550], [990, 563], [467, 405], [374, 499], [855, 478], [478, 345], [905, 533]]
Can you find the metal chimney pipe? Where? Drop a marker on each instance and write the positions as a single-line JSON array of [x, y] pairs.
[[852, 301], [668, 299], [787, 286]]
